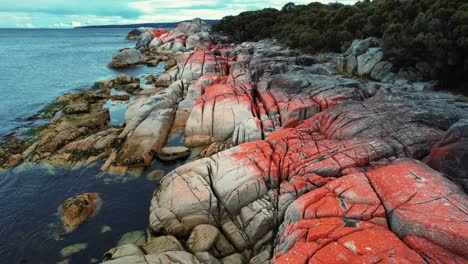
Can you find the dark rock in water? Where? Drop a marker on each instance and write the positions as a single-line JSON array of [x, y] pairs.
[[123, 79], [173, 153], [77, 210], [132, 87], [104, 84], [120, 97]]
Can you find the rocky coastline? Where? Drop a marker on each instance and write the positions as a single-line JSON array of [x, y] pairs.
[[294, 158]]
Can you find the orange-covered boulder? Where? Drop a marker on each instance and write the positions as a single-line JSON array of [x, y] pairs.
[[421, 202], [157, 32], [342, 240], [350, 196]]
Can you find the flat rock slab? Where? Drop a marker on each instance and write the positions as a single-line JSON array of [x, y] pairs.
[[173, 153]]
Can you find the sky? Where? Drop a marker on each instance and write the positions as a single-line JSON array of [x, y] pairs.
[[72, 13]]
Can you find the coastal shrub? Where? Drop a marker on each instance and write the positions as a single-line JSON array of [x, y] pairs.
[[429, 34]]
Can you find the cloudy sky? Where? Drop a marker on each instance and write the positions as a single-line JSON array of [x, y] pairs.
[[70, 13]]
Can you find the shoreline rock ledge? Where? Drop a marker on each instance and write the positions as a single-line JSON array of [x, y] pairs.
[[299, 163]]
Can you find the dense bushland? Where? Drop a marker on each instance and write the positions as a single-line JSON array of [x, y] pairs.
[[429, 34]]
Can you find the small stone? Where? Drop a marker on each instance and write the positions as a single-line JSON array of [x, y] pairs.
[[173, 153], [162, 244], [202, 238], [135, 237], [73, 249]]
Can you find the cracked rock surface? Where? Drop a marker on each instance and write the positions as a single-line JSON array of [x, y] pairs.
[[331, 174], [298, 162]]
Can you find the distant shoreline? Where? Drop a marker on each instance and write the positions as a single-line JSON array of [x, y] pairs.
[[153, 25]]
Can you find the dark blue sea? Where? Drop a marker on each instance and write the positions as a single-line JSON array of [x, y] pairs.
[[37, 66]]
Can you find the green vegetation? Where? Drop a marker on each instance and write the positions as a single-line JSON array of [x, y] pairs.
[[34, 135], [70, 118], [50, 110], [429, 34]]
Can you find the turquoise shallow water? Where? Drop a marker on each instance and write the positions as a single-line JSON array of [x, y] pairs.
[[37, 66]]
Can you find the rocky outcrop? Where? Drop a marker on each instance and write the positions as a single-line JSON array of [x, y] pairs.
[[350, 213], [126, 58], [314, 187], [366, 58], [290, 162], [148, 122], [135, 34], [299, 162], [186, 36]]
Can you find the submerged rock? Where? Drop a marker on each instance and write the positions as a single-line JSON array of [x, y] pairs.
[[77, 210], [155, 175], [105, 229], [73, 249], [135, 237]]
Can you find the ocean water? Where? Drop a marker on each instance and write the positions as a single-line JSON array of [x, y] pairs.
[[36, 66]]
